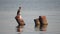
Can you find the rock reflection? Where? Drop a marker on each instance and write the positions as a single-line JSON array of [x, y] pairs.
[[37, 27], [20, 28], [18, 33], [40, 27], [43, 27]]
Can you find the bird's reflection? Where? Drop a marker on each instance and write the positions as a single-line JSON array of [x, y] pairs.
[[40, 27], [20, 28]]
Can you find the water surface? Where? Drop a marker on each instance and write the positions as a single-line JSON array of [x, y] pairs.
[[31, 9]]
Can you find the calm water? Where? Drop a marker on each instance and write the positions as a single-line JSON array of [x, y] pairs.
[[51, 9], [8, 24]]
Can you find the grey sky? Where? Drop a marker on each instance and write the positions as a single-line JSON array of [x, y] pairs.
[[46, 5]]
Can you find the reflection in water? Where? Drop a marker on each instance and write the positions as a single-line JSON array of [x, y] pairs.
[[37, 27], [20, 28], [40, 27], [18, 33], [43, 27]]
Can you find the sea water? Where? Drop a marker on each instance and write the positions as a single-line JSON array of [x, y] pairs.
[[50, 9]]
